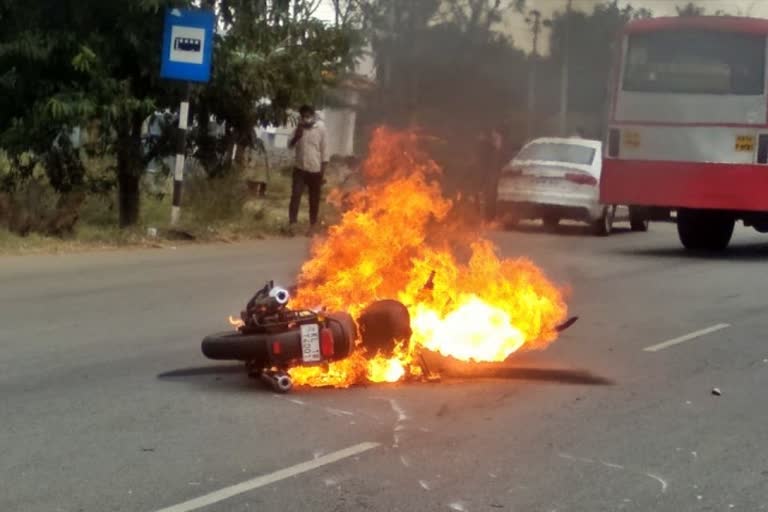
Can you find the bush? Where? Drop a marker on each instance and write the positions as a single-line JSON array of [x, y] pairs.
[[214, 199]]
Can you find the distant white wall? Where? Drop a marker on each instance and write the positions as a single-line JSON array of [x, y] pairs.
[[339, 124]]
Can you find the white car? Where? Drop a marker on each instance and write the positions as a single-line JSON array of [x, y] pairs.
[[558, 178]]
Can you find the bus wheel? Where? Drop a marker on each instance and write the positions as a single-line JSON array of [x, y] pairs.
[[704, 230]]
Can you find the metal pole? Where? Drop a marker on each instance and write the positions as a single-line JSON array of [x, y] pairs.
[[564, 72], [531, 96], [181, 150], [535, 23]]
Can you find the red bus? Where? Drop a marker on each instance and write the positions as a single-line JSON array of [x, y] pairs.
[[688, 126]]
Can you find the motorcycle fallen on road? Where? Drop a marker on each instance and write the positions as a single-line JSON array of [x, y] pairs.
[[273, 338]]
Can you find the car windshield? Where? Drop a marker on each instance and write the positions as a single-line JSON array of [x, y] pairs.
[[695, 62], [558, 152]]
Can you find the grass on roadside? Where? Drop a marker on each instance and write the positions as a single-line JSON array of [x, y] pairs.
[[213, 210]]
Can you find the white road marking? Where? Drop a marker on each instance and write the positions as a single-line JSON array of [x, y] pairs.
[[264, 480], [658, 479], [571, 457], [663, 482], [401, 416], [339, 412], [687, 337]]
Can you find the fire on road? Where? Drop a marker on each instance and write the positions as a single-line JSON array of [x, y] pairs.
[[401, 239]]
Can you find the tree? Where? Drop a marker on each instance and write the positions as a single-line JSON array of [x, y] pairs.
[[274, 56], [441, 61], [72, 62], [77, 62], [445, 66], [690, 9], [591, 49]]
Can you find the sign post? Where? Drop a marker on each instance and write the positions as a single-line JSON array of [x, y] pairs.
[[187, 52]]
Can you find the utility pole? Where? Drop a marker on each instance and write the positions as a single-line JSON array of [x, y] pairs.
[[181, 150], [534, 20], [566, 49]]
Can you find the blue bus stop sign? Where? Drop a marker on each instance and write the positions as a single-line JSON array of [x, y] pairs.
[[187, 45]]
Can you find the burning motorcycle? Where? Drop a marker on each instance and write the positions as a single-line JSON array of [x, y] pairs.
[[272, 338]]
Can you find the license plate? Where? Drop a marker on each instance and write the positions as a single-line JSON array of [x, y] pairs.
[[310, 343], [745, 143]]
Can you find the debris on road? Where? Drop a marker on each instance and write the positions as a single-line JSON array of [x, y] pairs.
[[716, 392]]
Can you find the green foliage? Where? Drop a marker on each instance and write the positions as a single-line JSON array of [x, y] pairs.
[[274, 56], [690, 9], [95, 64], [590, 39], [444, 63]]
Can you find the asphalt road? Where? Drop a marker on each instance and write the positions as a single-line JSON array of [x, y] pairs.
[[106, 403]]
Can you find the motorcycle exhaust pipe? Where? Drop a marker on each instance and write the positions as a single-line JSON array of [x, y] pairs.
[[280, 382], [281, 295]]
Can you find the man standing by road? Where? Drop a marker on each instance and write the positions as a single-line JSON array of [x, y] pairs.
[[309, 142]]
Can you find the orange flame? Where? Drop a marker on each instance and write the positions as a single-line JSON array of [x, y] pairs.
[[397, 232]]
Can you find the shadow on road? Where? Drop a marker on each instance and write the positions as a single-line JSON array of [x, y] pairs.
[[574, 230], [203, 371], [736, 253], [556, 375], [212, 376], [226, 378]]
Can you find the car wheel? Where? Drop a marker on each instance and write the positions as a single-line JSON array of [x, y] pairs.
[[551, 222], [604, 225], [510, 222], [637, 222]]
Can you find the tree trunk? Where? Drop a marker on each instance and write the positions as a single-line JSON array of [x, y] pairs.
[[128, 198], [129, 171]]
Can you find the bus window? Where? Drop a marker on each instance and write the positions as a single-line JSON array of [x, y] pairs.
[[695, 62]]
